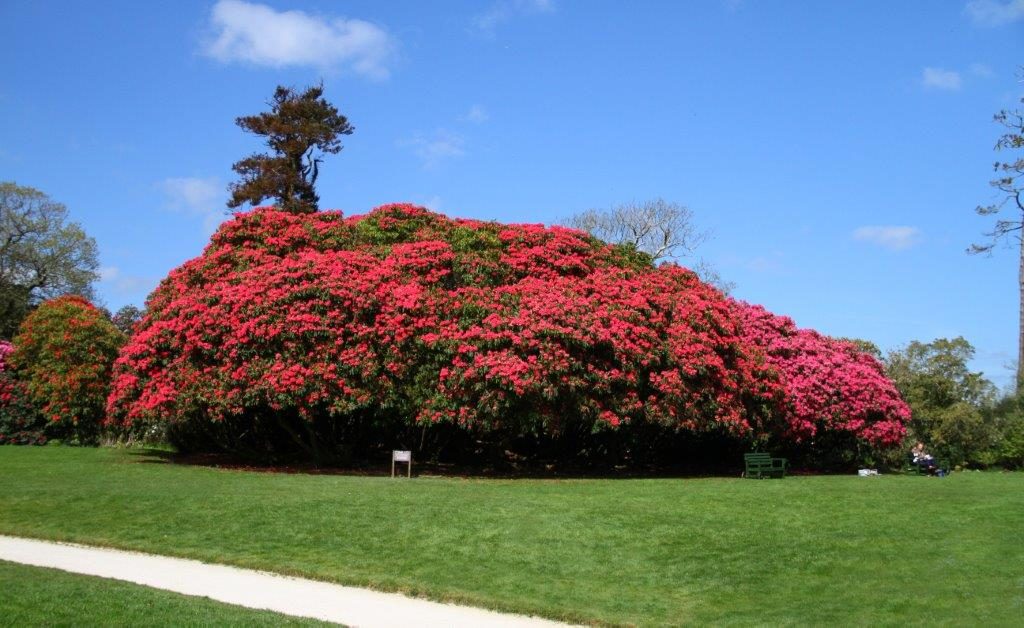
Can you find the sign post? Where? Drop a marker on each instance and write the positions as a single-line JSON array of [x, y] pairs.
[[398, 455]]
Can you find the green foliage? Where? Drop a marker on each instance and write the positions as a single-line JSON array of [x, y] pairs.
[[64, 353], [1011, 444], [395, 224], [935, 374], [465, 239], [298, 125], [34, 596], [949, 402], [125, 318], [42, 255], [628, 256], [866, 346], [961, 435], [1007, 417]]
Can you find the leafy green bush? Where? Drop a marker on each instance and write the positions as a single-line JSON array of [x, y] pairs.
[[1007, 417], [961, 435], [955, 411], [1011, 447]]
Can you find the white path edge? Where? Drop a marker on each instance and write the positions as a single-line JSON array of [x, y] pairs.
[[352, 606]]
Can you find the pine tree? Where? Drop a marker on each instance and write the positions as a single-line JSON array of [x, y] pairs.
[[299, 129]]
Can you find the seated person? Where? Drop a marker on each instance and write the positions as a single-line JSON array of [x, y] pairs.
[[923, 459]]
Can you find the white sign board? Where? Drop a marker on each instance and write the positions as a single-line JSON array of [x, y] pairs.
[[397, 455]]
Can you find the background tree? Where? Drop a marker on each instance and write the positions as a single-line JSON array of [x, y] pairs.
[[1007, 417], [950, 404], [42, 255], [1010, 184], [125, 318], [659, 228], [299, 128], [866, 346]]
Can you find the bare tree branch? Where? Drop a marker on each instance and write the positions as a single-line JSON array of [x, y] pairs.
[[659, 228], [1010, 184]]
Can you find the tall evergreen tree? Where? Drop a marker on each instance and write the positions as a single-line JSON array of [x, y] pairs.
[[299, 129]]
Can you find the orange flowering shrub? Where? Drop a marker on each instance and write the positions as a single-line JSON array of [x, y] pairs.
[[63, 354]]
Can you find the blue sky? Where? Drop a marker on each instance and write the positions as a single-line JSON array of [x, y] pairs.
[[834, 150]]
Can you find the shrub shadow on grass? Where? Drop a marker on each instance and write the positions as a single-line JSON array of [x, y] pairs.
[[152, 455], [687, 460], [433, 469]]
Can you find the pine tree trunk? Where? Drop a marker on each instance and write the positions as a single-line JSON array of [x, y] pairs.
[[1020, 324]]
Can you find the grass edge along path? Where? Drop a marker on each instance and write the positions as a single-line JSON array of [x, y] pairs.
[[257, 589], [653, 552], [40, 596]]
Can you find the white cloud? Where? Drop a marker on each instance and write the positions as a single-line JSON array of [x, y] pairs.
[[981, 70], [257, 34], [477, 115], [938, 78], [893, 237], [192, 193], [198, 197], [993, 12], [440, 146], [433, 203], [126, 285], [504, 10]]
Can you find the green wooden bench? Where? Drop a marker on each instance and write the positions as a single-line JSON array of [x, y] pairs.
[[762, 465]]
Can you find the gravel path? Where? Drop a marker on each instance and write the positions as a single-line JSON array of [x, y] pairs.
[[256, 589]]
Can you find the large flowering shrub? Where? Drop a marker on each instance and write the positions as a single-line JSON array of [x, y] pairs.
[[831, 385], [63, 354], [319, 331], [20, 424]]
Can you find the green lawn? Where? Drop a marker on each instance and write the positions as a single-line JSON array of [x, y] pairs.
[[804, 550], [34, 596]]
